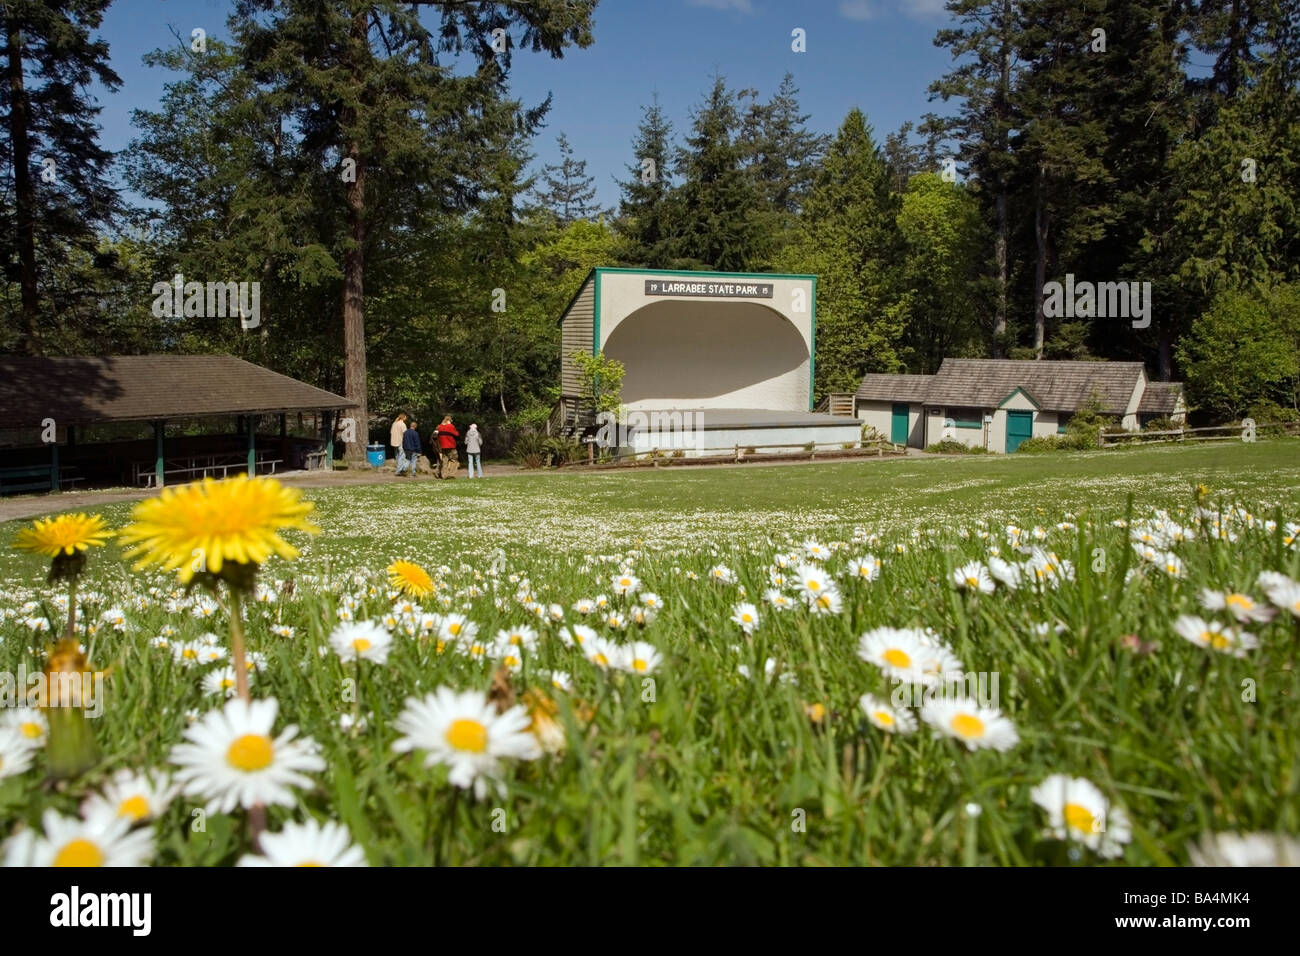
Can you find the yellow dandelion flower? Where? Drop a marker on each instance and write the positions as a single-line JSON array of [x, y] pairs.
[[410, 578], [65, 534], [207, 525]]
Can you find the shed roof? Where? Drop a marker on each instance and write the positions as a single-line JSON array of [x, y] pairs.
[[1160, 398], [84, 390], [881, 387], [1054, 385]]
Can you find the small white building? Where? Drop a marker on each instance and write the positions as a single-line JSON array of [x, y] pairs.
[[998, 403]]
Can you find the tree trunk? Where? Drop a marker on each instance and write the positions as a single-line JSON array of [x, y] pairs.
[[1164, 356], [24, 191], [1041, 221], [1000, 260], [354, 312]]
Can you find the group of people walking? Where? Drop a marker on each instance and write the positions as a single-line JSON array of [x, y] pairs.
[[404, 437]]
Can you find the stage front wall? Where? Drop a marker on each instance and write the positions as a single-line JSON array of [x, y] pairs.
[[707, 353]]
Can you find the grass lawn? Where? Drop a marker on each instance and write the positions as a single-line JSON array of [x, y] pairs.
[[714, 713]]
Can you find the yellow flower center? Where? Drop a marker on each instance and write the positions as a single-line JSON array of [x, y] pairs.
[[361, 645], [190, 654], [814, 585], [897, 658], [30, 729], [972, 582], [967, 726], [884, 717], [250, 752], [310, 863], [80, 853], [1216, 639], [639, 665], [516, 640], [601, 659], [137, 807], [747, 618], [824, 601], [1239, 600], [227, 683], [454, 628], [510, 661], [465, 734], [1080, 818]]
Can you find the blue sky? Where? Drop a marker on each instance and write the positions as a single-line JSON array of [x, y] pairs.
[[877, 55]]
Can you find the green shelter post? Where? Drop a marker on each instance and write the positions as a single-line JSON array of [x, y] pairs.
[[158, 452], [252, 446], [329, 439]]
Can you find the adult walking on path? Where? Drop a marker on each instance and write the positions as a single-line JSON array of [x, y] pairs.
[[411, 448], [395, 440], [474, 449], [449, 461]]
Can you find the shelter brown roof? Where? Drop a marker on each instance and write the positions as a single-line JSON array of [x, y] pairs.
[[1052, 385], [1160, 398], [894, 388], [82, 390]]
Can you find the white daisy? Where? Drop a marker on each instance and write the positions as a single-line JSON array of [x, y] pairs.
[[1077, 810], [639, 658], [1005, 572], [745, 616], [888, 718], [1214, 636], [865, 569], [465, 732], [968, 722], [1240, 606], [625, 583], [15, 753], [905, 654], [221, 682], [826, 601], [131, 795], [307, 844], [1250, 849], [231, 759], [722, 574], [28, 723], [973, 576], [101, 841], [522, 636], [362, 640]]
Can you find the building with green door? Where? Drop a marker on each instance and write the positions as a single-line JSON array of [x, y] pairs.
[[998, 403]]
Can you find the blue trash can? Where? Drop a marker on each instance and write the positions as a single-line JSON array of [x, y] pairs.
[[375, 455]]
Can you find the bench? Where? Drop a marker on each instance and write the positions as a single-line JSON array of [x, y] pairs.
[[145, 472], [314, 460], [8, 486]]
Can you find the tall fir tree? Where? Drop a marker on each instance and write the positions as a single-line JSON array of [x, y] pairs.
[[644, 207], [778, 149], [570, 193], [62, 192], [719, 222], [849, 237]]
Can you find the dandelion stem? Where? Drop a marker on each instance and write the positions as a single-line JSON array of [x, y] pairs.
[[71, 631], [237, 645]]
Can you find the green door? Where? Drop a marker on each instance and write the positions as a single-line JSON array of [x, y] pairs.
[[1020, 425], [898, 425]]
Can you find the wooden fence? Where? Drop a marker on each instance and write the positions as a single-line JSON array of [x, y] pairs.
[[738, 453], [1247, 431]]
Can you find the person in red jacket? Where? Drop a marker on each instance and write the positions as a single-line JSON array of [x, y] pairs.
[[448, 461]]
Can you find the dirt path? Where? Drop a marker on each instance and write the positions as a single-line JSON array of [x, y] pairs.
[[30, 506]]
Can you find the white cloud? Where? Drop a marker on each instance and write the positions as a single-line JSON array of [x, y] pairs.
[[857, 9], [922, 9], [739, 6]]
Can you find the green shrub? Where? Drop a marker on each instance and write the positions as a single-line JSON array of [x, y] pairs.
[[562, 451], [529, 450], [950, 446], [1266, 412], [679, 453], [751, 450], [1162, 425]]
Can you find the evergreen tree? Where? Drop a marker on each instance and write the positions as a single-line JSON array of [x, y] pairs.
[[570, 192], [848, 236], [392, 129], [61, 189], [644, 209], [984, 81], [718, 224], [778, 149]]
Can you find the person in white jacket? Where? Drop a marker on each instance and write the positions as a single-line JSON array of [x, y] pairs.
[[474, 449], [395, 440]]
